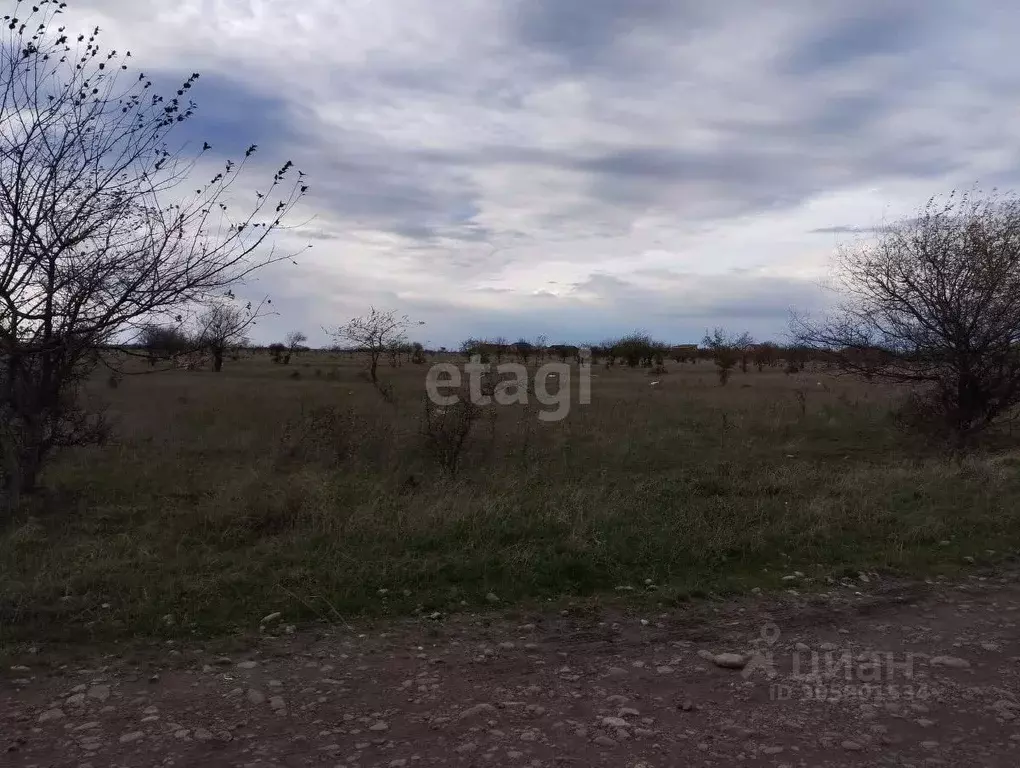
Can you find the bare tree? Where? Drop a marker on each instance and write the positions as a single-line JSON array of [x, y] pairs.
[[764, 354], [279, 353], [540, 344], [634, 348], [164, 342], [727, 350], [524, 350], [98, 234], [499, 347], [293, 340], [418, 353], [375, 333], [224, 325], [935, 303]]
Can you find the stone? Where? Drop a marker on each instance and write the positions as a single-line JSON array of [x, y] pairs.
[[614, 722], [953, 662], [477, 709], [256, 697], [730, 661], [99, 692]]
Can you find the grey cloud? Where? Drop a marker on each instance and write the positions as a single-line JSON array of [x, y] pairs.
[[679, 310], [834, 230], [395, 190], [583, 32], [548, 130], [873, 28]]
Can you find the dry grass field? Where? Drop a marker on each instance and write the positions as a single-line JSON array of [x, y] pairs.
[[224, 497]]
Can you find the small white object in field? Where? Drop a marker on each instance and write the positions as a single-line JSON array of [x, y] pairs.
[[551, 375], [654, 384]]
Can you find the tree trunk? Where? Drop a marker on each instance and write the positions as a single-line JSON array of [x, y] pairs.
[[22, 459], [217, 360]]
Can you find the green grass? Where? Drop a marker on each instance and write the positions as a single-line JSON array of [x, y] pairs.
[[226, 497]]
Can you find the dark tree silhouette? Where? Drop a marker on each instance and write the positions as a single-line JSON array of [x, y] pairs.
[[102, 228], [727, 350], [935, 303], [164, 342], [375, 333], [294, 340], [224, 325]]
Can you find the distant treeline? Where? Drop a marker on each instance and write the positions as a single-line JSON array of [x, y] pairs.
[[633, 350]]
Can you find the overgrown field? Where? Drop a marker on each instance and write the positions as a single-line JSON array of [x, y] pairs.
[[302, 489]]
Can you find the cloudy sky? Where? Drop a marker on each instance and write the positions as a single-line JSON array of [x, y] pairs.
[[583, 168]]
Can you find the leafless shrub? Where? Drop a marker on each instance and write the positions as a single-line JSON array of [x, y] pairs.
[[279, 354], [801, 395], [386, 390], [446, 430], [325, 435]]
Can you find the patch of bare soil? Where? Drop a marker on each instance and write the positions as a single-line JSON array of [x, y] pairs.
[[866, 675]]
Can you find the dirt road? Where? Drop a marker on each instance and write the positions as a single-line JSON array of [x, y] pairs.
[[864, 675]]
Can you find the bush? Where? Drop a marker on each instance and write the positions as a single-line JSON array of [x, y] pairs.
[[446, 431]]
